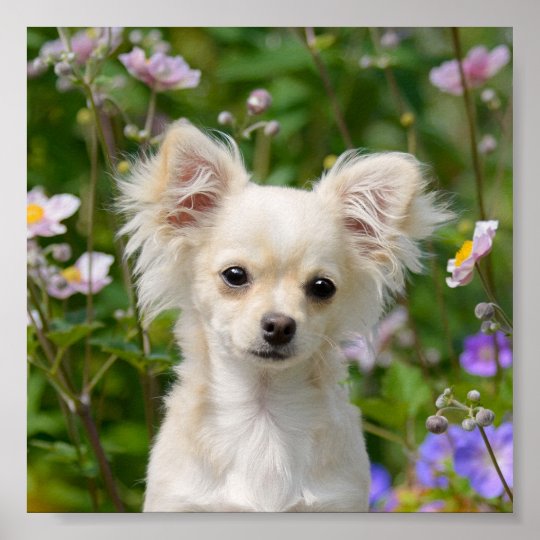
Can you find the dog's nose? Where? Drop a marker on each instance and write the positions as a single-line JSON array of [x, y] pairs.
[[278, 329]]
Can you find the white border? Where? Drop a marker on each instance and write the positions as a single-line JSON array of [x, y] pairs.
[[524, 16]]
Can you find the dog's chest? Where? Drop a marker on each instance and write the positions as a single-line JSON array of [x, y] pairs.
[[267, 442]]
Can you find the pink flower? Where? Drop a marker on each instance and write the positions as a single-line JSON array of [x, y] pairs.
[[80, 278], [462, 266], [259, 100], [478, 66], [43, 215], [160, 72], [83, 43], [366, 350]]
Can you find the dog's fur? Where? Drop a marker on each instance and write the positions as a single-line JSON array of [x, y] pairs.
[[242, 432]]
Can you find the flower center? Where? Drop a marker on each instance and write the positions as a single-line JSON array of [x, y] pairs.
[[72, 274], [34, 213], [464, 252]]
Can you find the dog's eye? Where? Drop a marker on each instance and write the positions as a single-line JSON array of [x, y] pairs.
[[235, 276], [320, 288]]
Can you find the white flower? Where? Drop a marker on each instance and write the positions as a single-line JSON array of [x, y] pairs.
[[43, 215]]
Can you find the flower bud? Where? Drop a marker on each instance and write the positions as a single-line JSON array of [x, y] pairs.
[[329, 160], [485, 417], [258, 101], [441, 402], [225, 118], [131, 131], [61, 252], [390, 39], [63, 69], [437, 424], [468, 424], [487, 144], [487, 95], [474, 396], [143, 134], [447, 392], [123, 167], [272, 128], [407, 119], [135, 37], [484, 311], [84, 117], [365, 62], [485, 327]]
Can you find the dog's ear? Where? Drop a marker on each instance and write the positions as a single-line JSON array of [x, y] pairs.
[[170, 198], [382, 201], [194, 172]]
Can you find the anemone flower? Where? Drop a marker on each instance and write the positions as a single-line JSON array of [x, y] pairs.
[[79, 278], [478, 66], [43, 215], [462, 266], [160, 72]]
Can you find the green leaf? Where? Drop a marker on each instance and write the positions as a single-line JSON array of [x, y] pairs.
[[69, 335], [124, 350], [381, 411], [404, 386]]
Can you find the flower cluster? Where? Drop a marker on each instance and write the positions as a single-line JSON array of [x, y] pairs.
[[90, 272], [257, 103]]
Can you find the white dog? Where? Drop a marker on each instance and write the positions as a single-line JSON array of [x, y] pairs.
[[269, 280]]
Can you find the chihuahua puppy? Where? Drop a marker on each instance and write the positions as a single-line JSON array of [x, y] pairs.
[[269, 280]]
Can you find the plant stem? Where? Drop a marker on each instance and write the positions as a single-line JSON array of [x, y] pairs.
[[495, 463], [89, 249], [469, 108], [150, 115], [102, 370], [323, 72], [491, 296], [384, 434], [83, 410]]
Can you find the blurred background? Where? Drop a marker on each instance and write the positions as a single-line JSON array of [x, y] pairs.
[[379, 79]]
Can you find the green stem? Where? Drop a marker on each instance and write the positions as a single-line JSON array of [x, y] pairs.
[[323, 72], [384, 434], [150, 115], [496, 464], [469, 108], [89, 249], [491, 296], [102, 370], [83, 410]]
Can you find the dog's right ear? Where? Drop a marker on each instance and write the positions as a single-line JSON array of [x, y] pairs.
[[171, 196], [193, 172]]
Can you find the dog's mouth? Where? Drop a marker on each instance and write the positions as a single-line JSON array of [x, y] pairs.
[[271, 354]]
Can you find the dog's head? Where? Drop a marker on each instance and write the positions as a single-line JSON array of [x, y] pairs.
[[274, 274]]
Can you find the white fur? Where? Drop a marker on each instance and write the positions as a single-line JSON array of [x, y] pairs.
[[243, 433]]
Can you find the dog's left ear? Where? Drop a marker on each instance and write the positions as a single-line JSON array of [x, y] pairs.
[[382, 202]]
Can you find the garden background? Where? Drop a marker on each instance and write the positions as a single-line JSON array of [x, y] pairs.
[[95, 375]]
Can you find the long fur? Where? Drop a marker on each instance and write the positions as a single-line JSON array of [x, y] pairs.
[[242, 433]]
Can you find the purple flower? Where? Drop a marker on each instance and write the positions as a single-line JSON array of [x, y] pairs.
[[381, 483], [43, 215], [473, 462], [160, 72], [478, 66], [435, 457], [80, 278], [479, 356]]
